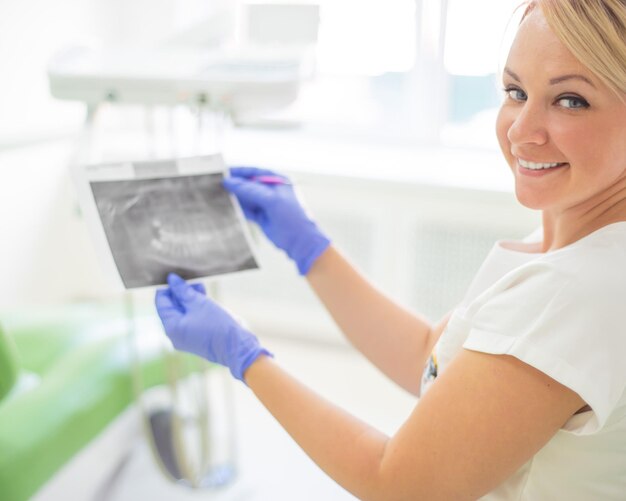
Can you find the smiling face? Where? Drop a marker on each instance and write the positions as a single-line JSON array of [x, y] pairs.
[[562, 131]]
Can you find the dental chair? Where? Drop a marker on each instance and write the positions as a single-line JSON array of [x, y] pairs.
[[67, 418]]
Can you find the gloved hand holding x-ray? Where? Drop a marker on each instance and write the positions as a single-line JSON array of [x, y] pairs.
[[196, 324], [276, 209]]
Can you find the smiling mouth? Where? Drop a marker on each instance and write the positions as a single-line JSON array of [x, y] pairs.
[[539, 166]]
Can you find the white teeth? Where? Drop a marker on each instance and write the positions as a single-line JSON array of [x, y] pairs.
[[537, 166]]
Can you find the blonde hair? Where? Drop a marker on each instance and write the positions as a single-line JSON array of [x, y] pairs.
[[595, 33]]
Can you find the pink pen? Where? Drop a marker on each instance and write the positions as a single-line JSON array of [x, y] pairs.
[[270, 179]]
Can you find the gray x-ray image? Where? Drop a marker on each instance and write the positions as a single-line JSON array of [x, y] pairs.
[[185, 224]]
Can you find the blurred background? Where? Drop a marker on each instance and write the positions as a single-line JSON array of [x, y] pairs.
[[397, 114], [382, 112]]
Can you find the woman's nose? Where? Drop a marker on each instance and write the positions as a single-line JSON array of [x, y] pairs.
[[528, 126]]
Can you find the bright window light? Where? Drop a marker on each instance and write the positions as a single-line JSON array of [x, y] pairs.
[[366, 37], [472, 49]]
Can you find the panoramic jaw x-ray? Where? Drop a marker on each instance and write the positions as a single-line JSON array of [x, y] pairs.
[[153, 218]]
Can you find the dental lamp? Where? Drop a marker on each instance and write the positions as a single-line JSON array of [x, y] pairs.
[[262, 72], [236, 82]]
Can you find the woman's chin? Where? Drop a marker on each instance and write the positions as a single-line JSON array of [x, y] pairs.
[[532, 200]]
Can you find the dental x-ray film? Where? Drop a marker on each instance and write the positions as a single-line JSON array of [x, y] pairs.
[[151, 218]]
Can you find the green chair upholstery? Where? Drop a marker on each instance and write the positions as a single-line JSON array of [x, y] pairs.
[[8, 365], [82, 356]]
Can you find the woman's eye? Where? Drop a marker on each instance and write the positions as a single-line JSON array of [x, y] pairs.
[[515, 94], [572, 102]]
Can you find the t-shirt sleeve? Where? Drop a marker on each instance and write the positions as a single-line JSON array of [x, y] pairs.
[[568, 325]]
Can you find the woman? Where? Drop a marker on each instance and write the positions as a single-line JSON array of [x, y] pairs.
[[529, 399]]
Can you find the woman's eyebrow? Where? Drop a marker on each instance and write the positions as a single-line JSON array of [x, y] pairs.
[[512, 74], [556, 80]]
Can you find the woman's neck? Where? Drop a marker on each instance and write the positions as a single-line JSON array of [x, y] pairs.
[[564, 227]]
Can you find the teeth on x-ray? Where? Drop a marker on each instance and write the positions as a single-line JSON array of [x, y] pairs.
[[169, 245], [185, 224]]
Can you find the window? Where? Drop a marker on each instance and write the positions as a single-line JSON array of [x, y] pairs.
[[397, 70], [366, 38], [409, 69], [472, 58]]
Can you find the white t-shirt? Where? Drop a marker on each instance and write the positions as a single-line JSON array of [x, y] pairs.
[[564, 313]]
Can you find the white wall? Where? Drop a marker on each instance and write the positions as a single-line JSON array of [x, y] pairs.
[[46, 254]]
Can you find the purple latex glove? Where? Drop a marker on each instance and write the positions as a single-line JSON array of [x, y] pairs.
[[277, 210], [197, 325]]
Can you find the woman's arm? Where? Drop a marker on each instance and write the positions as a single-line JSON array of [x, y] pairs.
[[394, 339], [481, 420]]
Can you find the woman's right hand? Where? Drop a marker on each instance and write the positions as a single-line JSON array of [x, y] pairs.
[[277, 210]]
